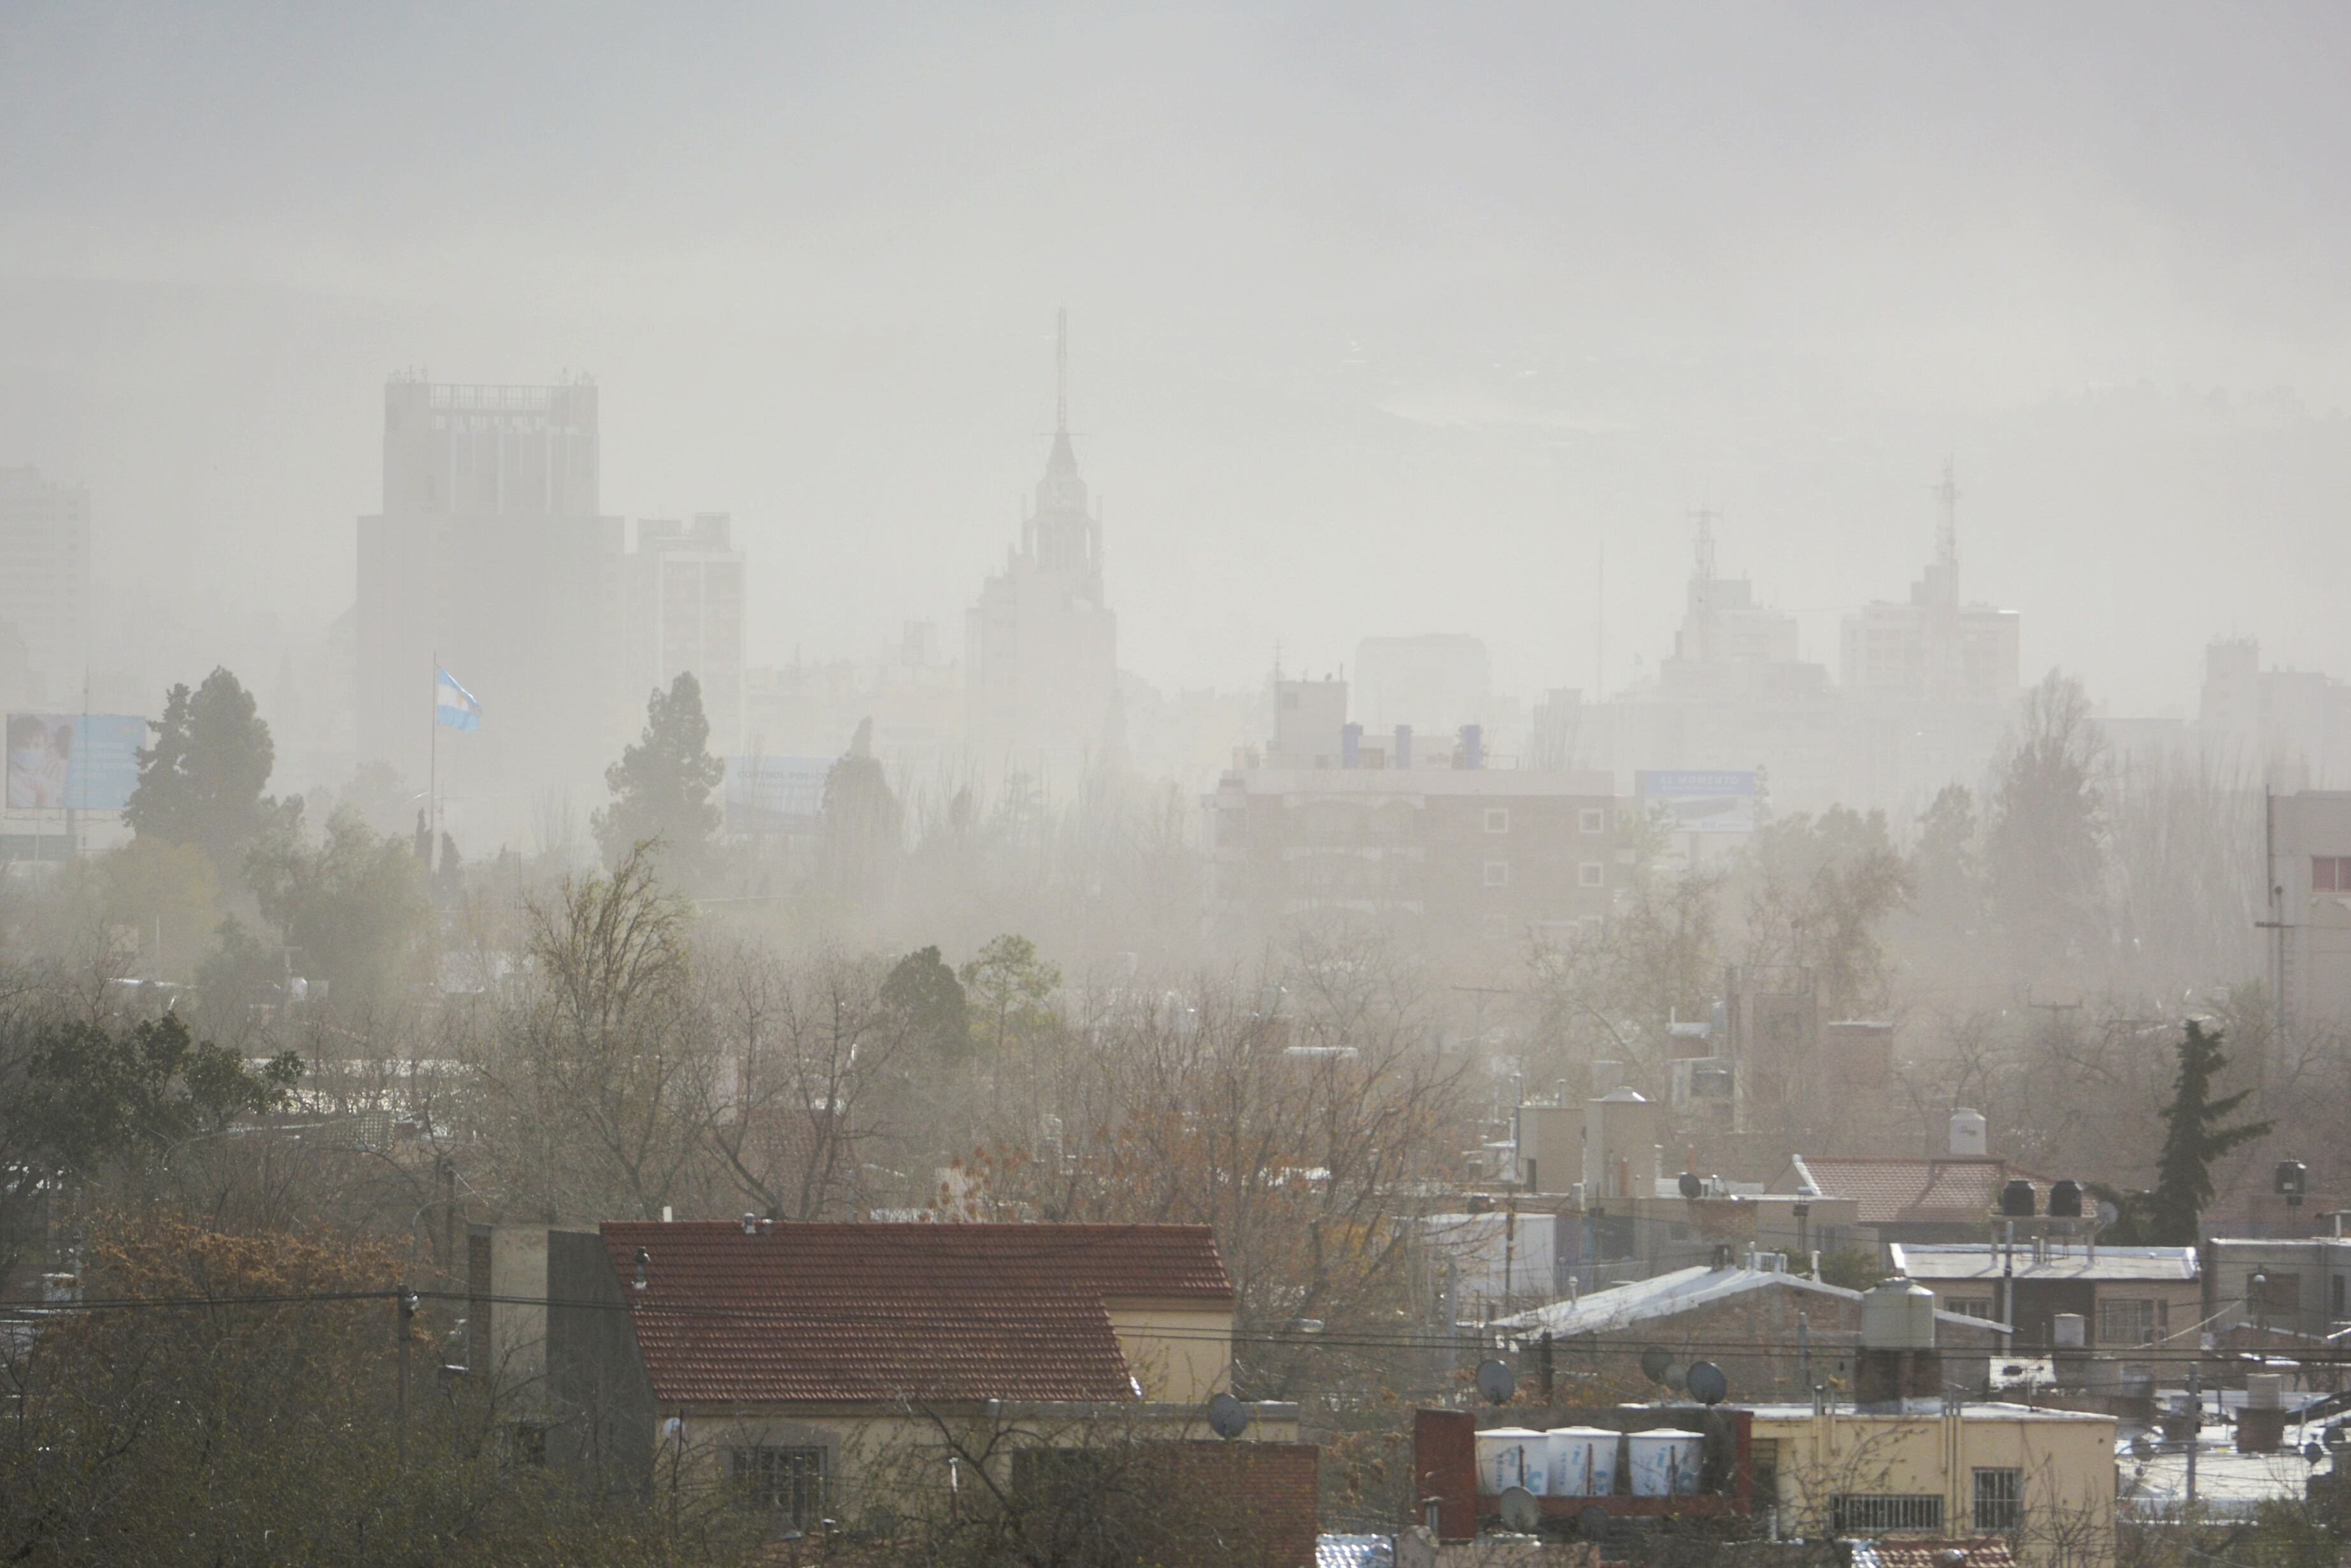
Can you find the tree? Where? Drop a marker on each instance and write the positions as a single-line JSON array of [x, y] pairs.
[[862, 820], [94, 1097], [661, 787], [2048, 839], [201, 782], [924, 991], [1014, 985], [351, 904], [1820, 890], [2171, 1213]]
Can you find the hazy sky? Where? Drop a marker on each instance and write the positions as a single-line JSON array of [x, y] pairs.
[[1385, 321]]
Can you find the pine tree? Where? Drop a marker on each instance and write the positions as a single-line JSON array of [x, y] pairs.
[[201, 781], [2171, 1212], [661, 787]]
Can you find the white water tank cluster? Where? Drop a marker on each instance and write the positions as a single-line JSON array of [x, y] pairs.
[[1581, 1462]]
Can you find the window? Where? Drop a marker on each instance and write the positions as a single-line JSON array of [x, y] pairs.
[[1498, 874], [2125, 1323], [2338, 1296], [1763, 1458], [1876, 1513], [2330, 873], [1590, 873], [1497, 819], [1999, 1501], [1975, 1307], [1593, 820], [788, 1482]]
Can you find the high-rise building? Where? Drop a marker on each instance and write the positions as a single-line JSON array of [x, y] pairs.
[[1935, 647], [43, 590], [1041, 646], [685, 613], [490, 554]]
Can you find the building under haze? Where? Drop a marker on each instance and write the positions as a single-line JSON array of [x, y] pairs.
[[684, 587], [491, 555], [1935, 648], [1041, 646], [43, 590]]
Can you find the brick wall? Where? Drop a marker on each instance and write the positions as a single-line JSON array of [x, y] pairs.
[[1249, 1505]]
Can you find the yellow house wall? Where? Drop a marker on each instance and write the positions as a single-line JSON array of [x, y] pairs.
[[1181, 1355], [2068, 1465]]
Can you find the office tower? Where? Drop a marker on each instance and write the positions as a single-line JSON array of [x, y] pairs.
[[1042, 646], [684, 585], [43, 590], [490, 554]]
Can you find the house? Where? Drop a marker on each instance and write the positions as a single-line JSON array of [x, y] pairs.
[[1943, 1198], [2271, 1287], [1769, 1330], [2128, 1296], [823, 1373]]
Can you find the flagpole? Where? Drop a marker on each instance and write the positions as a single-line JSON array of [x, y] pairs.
[[432, 770]]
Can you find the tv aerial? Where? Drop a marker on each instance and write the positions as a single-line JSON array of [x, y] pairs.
[[1496, 1382], [1227, 1416]]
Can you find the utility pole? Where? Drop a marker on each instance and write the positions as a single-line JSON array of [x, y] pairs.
[[2195, 1428], [405, 1304]]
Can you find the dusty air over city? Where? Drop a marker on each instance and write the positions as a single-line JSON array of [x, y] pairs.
[[1167, 785]]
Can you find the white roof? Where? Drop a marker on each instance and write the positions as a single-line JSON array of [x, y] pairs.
[[1930, 1264], [1662, 1297]]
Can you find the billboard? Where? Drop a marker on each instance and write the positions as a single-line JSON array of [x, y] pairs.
[[1699, 802], [775, 794], [59, 761]]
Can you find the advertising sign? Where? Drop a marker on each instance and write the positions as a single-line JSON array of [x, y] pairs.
[[775, 794], [80, 761], [1698, 802]]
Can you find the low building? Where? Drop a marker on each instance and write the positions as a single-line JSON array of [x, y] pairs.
[[1770, 1331], [2291, 1289], [1945, 1198], [820, 1372], [2127, 1297]]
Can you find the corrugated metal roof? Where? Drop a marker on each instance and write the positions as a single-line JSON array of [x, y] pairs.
[[1642, 1300], [842, 1312]]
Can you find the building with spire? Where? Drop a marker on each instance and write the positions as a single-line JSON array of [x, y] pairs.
[[1935, 648], [1041, 646]]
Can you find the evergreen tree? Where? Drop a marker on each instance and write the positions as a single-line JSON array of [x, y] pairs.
[[201, 782], [862, 823], [925, 992], [2047, 845], [661, 787], [2171, 1213]]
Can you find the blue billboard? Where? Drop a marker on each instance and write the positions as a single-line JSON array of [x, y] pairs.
[[1700, 801], [64, 761]]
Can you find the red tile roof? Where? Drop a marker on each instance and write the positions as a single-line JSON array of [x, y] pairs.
[[883, 1311], [1887, 1191]]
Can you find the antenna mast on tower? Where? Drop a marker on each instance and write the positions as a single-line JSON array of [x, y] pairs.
[[1061, 370], [1947, 528]]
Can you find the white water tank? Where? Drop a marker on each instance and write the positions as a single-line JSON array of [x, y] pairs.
[[1666, 1462], [1582, 1462], [1897, 1314], [1968, 1133], [1512, 1456]]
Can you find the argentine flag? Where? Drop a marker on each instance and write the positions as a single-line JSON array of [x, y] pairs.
[[453, 705]]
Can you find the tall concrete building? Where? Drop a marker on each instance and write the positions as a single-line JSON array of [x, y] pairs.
[[43, 590], [491, 553], [1935, 647], [1041, 646], [685, 597]]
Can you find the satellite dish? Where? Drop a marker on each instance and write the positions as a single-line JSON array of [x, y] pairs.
[[1691, 1187], [1708, 1386], [1654, 1362], [2107, 1213], [1227, 1416], [1592, 1522], [2313, 1451], [1521, 1511], [1496, 1382], [2336, 1437], [1676, 1376]]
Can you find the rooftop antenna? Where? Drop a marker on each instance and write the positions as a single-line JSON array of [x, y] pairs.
[[1704, 545], [1061, 372], [1946, 527]]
